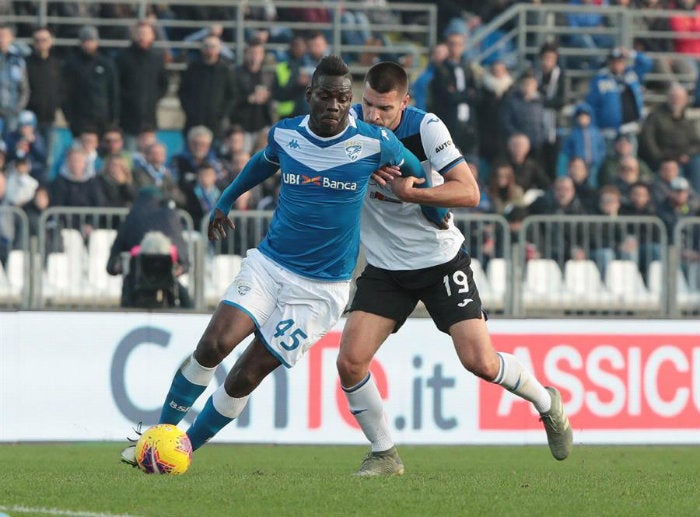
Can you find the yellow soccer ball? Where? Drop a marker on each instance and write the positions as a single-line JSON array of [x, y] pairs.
[[164, 449]]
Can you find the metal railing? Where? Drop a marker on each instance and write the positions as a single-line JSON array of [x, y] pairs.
[[15, 276], [554, 266], [413, 38]]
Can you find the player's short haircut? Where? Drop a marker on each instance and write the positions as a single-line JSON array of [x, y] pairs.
[[387, 76], [332, 66]]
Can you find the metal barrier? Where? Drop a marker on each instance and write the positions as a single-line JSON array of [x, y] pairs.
[[73, 246], [232, 17], [15, 275], [684, 285], [555, 266], [596, 265]]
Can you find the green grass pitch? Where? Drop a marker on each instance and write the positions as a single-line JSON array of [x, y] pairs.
[[87, 480]]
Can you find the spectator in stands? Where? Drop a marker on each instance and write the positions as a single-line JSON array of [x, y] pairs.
[[668, 171], [590, 21], [7, 223], [20, 184], [269, 202], [206, 89], [577, 170], [44, 72], [143, 81], [503, 190], [117, 182], [585, 142], [560, 199], [615, 94], [149, 213], [666, 65], [3, 157], [154, 172], [316, 48], [523, 112], [34, 210], [628, 176], [232, 167], [610, 169], [454, 92], [232, 144], [421, 86], [92, 86], [292, 77], [89, 142], [204, 195], [646, 237], [14, 83], [251, 107], [686, 43], [529, 174], [199, 149], [215, 29], [550, 81], [27, 142], [494, 85], [147, 136], [72, 187], [677, 205], [113, 146], [608, 241], [668, 133]]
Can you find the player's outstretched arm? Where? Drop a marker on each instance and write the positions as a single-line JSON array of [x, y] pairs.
[[257, 170], [460, 189]]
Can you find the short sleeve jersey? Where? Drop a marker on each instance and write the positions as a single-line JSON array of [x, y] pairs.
[[315, 231], [396, 235]]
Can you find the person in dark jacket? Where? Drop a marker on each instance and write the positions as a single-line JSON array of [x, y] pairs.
[[522, 111], [143, 81], [206, 89], [291, 80], [454, 93], [44, 71], [252, 102], [92, 88], [148, 214]]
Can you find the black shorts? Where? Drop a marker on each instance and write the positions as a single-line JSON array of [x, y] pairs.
[[447, 291]]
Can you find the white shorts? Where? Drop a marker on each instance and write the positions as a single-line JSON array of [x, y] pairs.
[[291, 312]]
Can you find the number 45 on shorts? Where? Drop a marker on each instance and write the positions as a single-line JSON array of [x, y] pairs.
[[292, 336]]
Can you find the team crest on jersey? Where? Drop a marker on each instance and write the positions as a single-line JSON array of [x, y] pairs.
[[353, 149]]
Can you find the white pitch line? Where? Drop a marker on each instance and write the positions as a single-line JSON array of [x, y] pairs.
[[56, 511]]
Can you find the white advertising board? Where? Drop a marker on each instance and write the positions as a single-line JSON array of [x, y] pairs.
[[92, 376]]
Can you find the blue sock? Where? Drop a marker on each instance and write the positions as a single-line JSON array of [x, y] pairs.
[[180, 398], [208, 423]]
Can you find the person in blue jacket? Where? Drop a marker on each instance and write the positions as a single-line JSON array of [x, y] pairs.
[[615, 93], [585, 141]]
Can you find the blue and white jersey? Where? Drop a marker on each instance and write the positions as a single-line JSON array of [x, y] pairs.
[[396, 235], [315, 231]]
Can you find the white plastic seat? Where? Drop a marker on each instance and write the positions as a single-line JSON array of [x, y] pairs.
[[686, 297], [63, 280], [544, 285], [5, 294], [582, 278], [497, 273], [224, 269], [107, 288], [482, 284], [624, 279], [15, 271]]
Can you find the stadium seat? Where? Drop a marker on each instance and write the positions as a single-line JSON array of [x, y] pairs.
[[624, 279], [497, 273], [63, 280], [686, 297], [107, 288], [482, 284], [544, 286], [4, 286], [582, 278], [15, 271], [223, 270]]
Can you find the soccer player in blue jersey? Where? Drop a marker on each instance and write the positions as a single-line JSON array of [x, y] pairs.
[[410, 260], [295, 286]]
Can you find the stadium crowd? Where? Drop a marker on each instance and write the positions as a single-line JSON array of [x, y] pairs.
[[612, 157]]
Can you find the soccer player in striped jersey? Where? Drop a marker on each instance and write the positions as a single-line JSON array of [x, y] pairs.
[[309, 253], [410, 260]]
